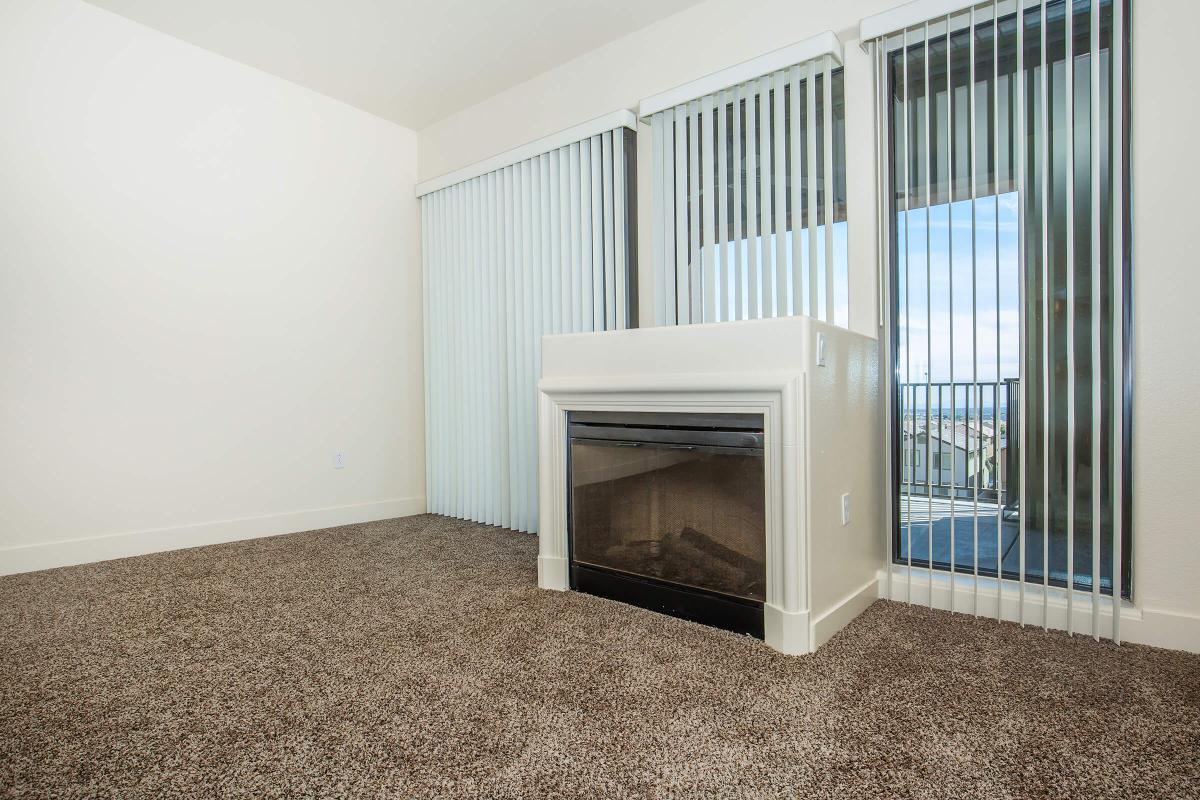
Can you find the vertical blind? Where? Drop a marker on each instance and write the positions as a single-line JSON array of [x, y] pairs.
[[749, 202], [534, 247], [1003, 170]]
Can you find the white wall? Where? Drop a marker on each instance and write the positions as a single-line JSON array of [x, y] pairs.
[[209, 283], [719, 33]]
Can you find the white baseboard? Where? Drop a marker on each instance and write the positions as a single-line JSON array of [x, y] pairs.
[[843, 612], [68, 552], [1174, 630], [1156, 627]]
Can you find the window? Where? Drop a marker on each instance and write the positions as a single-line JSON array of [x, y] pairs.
[[1005, 173], [749, 205], [538, 244]]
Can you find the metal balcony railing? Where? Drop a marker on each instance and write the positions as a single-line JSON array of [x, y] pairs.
[[955, 442]]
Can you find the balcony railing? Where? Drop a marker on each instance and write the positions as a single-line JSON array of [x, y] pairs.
[[955, 442]]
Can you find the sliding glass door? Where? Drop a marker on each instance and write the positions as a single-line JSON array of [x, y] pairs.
[[1009, 283]]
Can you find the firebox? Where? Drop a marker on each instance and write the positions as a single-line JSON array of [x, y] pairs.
[[668, 512]]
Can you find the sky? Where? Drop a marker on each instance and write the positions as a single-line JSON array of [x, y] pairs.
[[935, 252]]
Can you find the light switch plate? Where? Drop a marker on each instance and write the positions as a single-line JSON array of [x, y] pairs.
[[820, 349], [846, 509]]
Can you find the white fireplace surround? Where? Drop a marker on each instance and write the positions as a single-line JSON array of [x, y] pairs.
[[758, 367]]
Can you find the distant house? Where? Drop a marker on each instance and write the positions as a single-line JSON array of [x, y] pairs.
[[950, 457]]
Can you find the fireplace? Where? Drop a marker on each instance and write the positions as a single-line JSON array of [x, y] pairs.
[[668, 511], [772, 426]]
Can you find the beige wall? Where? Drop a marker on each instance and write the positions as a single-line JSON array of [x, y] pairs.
[[719, 33], [1166, 293], [209, 283]]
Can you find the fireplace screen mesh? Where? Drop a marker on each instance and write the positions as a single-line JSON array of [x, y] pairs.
[[687, 515]]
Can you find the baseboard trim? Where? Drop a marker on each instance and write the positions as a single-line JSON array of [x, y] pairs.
[[1160, 628], [1173, 630], [845, 610], [87, 550]]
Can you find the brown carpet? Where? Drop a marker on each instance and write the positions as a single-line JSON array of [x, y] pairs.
[[416, 658]]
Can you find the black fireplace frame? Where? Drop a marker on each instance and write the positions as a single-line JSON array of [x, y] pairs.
[[727, 433]]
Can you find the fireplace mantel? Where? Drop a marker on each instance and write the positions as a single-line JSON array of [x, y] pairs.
[[823, 437]]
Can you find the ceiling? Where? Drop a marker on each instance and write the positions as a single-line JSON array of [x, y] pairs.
[[409, 61]]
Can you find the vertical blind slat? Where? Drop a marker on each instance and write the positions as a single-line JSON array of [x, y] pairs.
[[682, 294], [779, 181], [471, 274], [1022, 299], [721, 184], [1117, 254], [811, 141], [906, 399], [950, 181], [883, 193], [662, 230], [693, 307], [619, 238], [584, 245], [1095, 430], [972, 166], [574, 241], [609, 276], [928, 159], [995, 100], [752, 210], [597, 230], [738, 279], [707, 195], [1069, 133], [766, 218], [796, 164], [493, 260], [563, 311], [827, 122]]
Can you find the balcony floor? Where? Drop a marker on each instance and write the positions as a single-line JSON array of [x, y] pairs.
[[934, 518]]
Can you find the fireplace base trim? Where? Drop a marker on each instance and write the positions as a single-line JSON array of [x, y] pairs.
[[708, 608], [787, 631], [553, 573]]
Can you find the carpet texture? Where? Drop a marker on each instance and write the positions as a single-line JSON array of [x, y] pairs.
[[416, 658]]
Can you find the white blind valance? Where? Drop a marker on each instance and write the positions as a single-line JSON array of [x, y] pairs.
[[749, 193], [538, 246]]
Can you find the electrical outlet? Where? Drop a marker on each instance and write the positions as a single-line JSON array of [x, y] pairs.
[[339, 460], [846, 509]]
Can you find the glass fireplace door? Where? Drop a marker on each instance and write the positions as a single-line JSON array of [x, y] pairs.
[[679, 510]]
